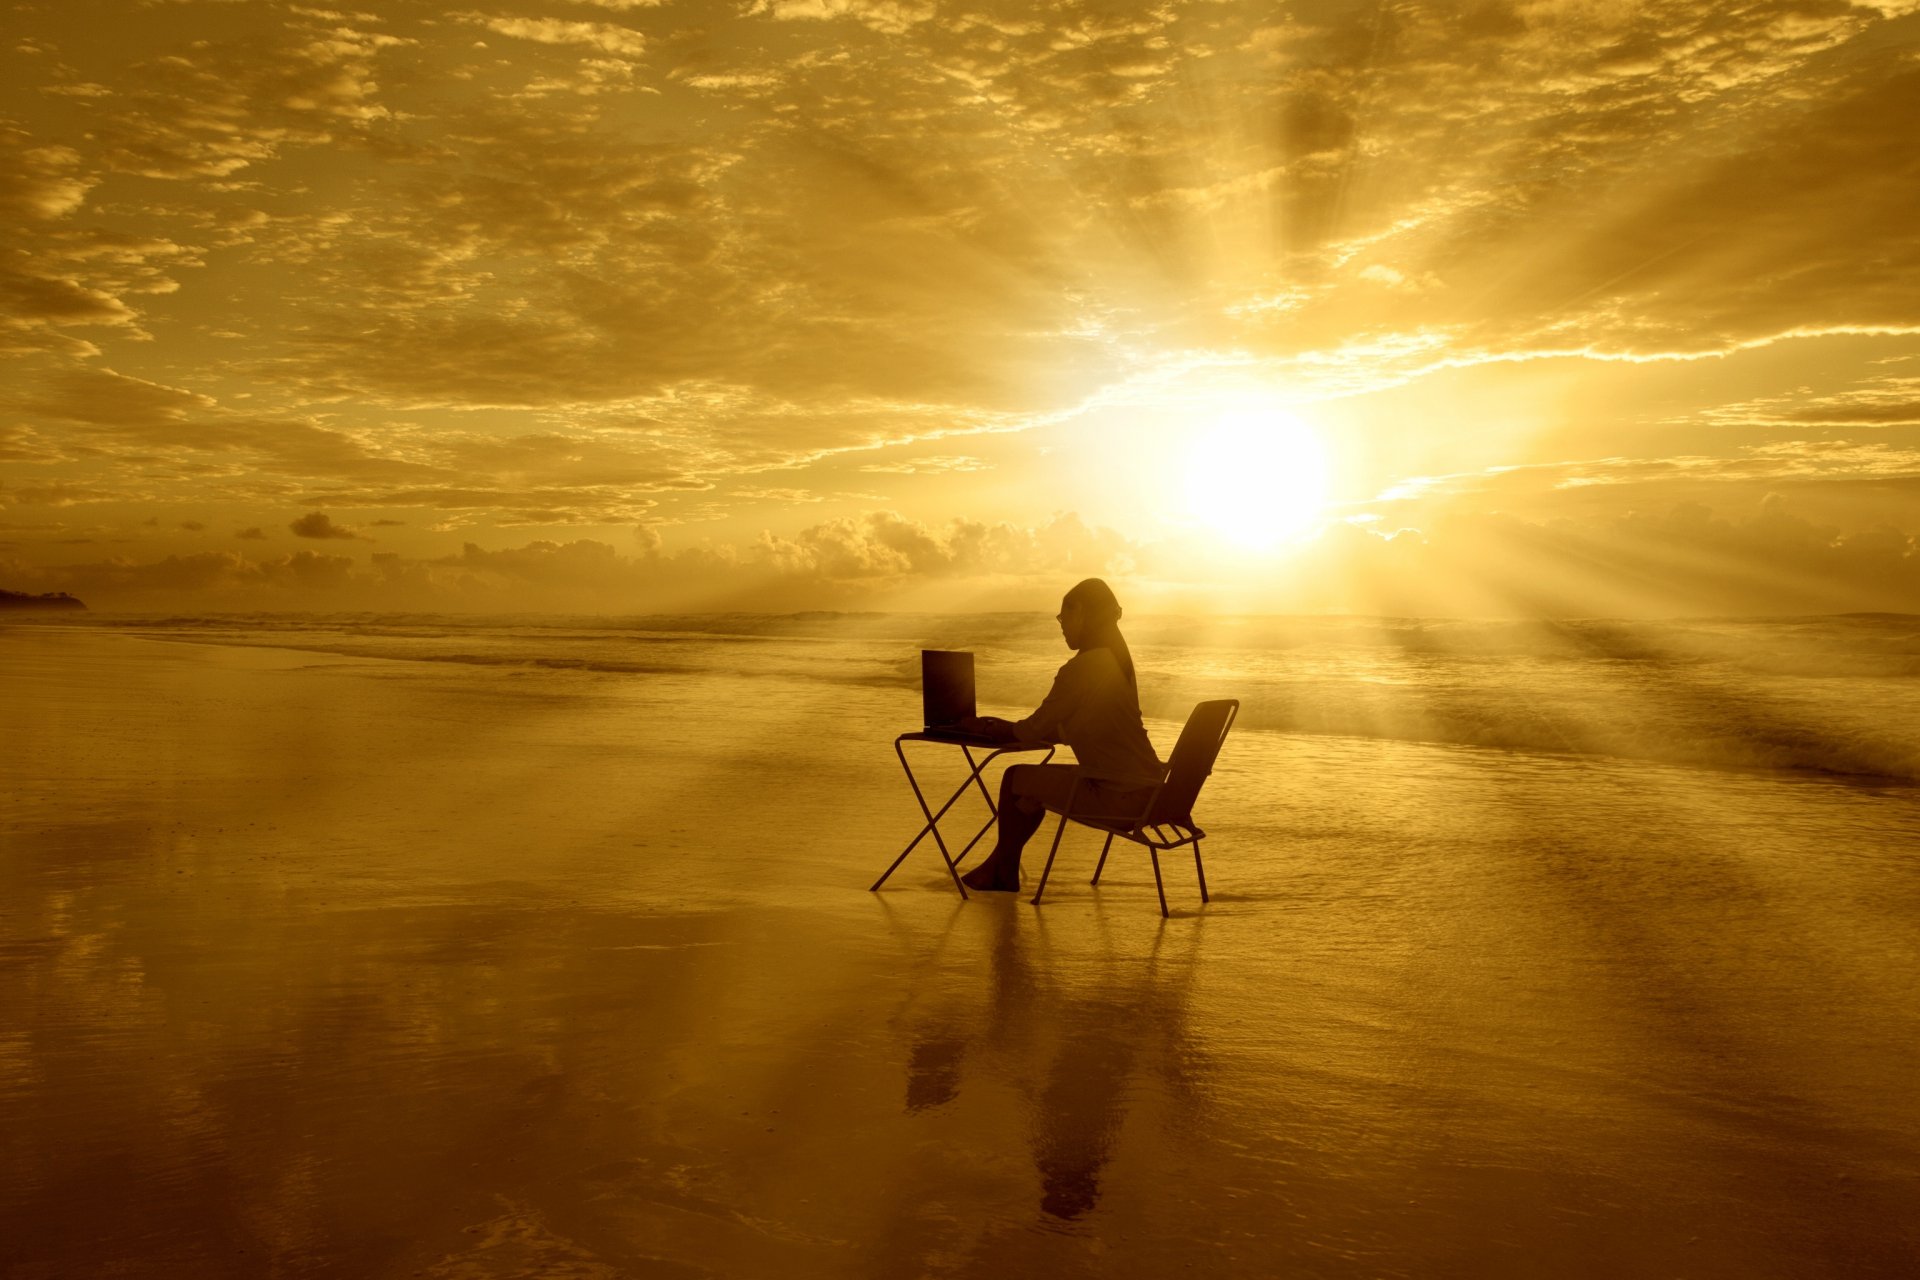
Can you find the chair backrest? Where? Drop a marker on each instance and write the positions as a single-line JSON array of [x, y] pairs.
[[1192, 760]]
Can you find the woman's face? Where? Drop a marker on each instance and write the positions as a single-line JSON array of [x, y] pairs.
[[1071, 623]]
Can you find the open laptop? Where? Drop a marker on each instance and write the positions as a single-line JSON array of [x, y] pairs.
[[946, 694]]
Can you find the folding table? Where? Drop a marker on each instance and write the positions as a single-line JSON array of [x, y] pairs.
[[966, 745]]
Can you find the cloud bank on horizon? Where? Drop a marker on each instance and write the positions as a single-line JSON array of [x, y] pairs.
[[557, 302]]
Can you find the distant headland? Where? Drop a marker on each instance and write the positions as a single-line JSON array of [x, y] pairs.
[[51, 600]]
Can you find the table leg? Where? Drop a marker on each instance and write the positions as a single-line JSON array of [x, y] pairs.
[[993, 810], [974, 769], [933, 822]]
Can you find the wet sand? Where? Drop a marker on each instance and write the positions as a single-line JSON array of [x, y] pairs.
[[317, 966]]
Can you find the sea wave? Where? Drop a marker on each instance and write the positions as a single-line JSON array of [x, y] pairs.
[[1723, 728], [1835, 695]]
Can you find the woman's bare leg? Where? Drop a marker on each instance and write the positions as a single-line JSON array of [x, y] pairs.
[[1024, 792]]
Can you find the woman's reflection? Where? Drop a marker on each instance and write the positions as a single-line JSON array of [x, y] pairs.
[[1080, 1050]]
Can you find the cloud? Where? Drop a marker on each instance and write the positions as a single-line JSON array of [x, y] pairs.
[[583, 563], [34, 307], [39, 182], [192, 110], [120, 416], [212, 108], [1777, 463], [889, 16], [103, 398], [57, 495], [880, 545], [936, 464], [1681, 560], [505, 506], [205, 577], [598, 35], [1651, 204], [620, 270], [1883, 401], [318, 524], [253, 533], [883, 544], [864, 560], [61, 271]]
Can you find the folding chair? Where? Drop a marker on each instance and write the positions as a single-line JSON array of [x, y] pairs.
[[1166, 819]]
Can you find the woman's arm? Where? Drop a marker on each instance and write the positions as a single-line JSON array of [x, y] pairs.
[[1048, 720], [1044, 725]]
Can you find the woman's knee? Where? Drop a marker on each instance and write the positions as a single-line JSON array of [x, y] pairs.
[[1024, 785]]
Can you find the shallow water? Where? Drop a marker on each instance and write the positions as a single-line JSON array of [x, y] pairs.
[[1838, 694], [329, 964]]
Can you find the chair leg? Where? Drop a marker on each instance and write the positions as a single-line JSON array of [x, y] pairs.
[[1048, 870], [1103, 858], [1157, 886], [1201, 872]]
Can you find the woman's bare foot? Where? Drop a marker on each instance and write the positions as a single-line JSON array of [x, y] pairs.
[[989, 878]]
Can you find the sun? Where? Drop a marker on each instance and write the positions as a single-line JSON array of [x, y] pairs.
[[1257, 477]]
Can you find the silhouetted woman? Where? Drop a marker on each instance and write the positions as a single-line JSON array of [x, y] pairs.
[[1094, 708]]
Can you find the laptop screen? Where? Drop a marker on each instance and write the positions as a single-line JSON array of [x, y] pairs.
[[946, 686]]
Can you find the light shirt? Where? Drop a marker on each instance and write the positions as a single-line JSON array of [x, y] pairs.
[[1094, 709]]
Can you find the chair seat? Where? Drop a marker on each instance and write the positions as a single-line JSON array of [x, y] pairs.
[[1139, 830], [1154, 833], [1165, 820], [1119, 826]]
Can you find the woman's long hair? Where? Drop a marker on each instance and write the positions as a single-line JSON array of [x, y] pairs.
[[1100, 612]]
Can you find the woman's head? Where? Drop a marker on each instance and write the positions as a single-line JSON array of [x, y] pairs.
[[1090, 619], [1087, 613]]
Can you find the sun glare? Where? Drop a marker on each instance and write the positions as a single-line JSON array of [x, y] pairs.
[[1258, 477]]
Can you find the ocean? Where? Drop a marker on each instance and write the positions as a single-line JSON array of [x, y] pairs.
[[1825, 695]]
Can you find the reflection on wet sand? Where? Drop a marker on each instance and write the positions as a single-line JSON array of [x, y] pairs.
[[465, 975], [1075, 1052]]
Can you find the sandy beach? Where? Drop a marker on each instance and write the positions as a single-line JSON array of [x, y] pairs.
[[319, 965]]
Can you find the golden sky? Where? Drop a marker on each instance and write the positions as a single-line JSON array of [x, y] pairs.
[[1566, 307]]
